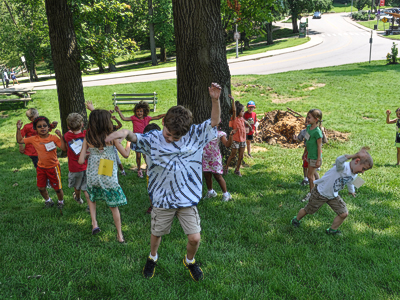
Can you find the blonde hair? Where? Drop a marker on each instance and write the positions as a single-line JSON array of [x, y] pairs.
[[32, 113], [74, 121]]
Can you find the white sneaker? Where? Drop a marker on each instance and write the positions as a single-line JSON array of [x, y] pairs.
[[211, 194], [226, 198], [306, 198]]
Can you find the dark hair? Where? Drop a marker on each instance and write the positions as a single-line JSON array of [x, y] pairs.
[[150, 127], [178, 120], [239, 108], [40, 118], [398, 109], [142, 105], [99, 126], [317, 114]]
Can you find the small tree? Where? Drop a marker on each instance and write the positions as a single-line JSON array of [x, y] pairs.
[[392, 57]]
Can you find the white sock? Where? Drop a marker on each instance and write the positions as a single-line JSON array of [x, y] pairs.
[[212, 190], [62, 201], [48, 200], [189, 261], [306, 178], [155, 258], [226, 194]]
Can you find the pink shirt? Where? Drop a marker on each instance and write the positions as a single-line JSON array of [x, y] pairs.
[[240, 135], [140, 124]]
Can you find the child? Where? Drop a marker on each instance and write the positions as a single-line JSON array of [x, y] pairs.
[[326, 189], [239, 138], [73, 145], [48, 167], [251, 117], [140, 120], [28, 131], [397, 121], [102, 179], [212, 164], [313, 139], [149, 128], [175, 181], [13, 77]]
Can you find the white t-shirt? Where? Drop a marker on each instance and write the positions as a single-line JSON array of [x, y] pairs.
[[336, 178], [5, 75], [175, 169]]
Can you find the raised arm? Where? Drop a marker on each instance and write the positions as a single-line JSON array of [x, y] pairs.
[[82, 156], [122, 134], [388, 121], [89, 105], [119, 125], [121, 115], [20, 139], [233, 107], [215, 92], [124, 151], [63, 144], [158, 117]]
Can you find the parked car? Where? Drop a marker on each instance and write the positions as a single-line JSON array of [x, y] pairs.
[[317, 15]]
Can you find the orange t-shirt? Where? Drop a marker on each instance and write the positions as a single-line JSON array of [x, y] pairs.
[[47, 156], [240, 135]]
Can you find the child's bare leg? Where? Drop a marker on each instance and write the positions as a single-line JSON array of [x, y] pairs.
[[43, 191], [239, 162], [316, 175], [60, 194], [208, 177], [154, 244], [305, 172], [192, 245], [310, 176], [301, 214], [339, 220], [77, 193], [121, 167], [117, 222], [248, 146], [92, 207], [398, 156], [221, 182], [232, 156], [138, 160]]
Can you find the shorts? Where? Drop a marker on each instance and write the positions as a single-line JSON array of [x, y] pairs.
[[52, 174], [35, 160], [312, 162], [77, 180], [161, 220], [317, 200], [13, 77], [237, 145], [249, 137]]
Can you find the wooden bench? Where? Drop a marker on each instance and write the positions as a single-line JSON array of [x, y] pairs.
[[25, 100], [135, 99]]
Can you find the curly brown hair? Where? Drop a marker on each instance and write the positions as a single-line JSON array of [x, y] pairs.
[[178, 120], [142, 105], [74, 121], [99, 126]]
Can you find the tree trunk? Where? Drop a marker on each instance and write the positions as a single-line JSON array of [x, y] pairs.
[[268, 28], [201, 57], [32, 74], [152, 41], [163, 54], [101, 69], [65, 54], [112, 68], [294, 23]]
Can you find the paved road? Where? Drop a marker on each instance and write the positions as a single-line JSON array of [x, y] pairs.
[[334, 41]]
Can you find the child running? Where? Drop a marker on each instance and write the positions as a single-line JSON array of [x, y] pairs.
[[48, 167], [140, 120], [397, 121], [326, 189], [175, 181], [102, 179], [212, 164], [239, 138], [251, 117]]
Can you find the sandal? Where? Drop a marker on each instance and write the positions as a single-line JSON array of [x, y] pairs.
[[96, 230], [140, 174], [237, 172]]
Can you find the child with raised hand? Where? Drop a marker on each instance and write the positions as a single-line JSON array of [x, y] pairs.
[[175, 181], [251, 117], [140, 120], [73, 145], [102, 179], [397, 121], [212, 164], [48, 167], [237, 123], [326, 189]]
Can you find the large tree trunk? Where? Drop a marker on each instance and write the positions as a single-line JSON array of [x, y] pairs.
[[163, 54], [200, 57], [268, 28], [295, 22], [152, 40], [65, 54], [112, 68]]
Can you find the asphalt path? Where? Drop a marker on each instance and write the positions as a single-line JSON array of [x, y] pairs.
[[335, 40]]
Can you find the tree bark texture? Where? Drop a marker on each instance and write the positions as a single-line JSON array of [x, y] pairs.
[[201, 57], [163, 54], [268, 27], [294, 23], [152, 39], [65, 54]]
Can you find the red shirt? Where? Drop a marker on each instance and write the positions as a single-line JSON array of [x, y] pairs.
[[140, 124], [252, 115], [73, 165], [28, 131]]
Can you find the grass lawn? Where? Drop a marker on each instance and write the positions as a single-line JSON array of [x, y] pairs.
[[248, 249], [338, 7], [370, 24]]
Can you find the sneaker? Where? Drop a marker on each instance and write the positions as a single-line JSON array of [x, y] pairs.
[[149, 268], [80, 201], [295, 222], [211, 194], [226, 198], [123, 173], [304, 182], [194, 268], [140, 174], [87, 209], [306, 198], [333, 232], [49, 204], [149, 210], [60, 204]]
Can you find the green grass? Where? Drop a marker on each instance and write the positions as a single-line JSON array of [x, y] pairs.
[[338, 8], [370, 24], [248, 249]]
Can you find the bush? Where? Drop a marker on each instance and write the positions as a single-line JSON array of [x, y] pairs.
[[362, 16], [392, 57]]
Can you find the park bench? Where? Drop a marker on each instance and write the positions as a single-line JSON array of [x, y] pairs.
[[23, 94], [150, 98]]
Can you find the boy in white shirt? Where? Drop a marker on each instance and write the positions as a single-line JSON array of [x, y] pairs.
[[326, 189], [175, 176]]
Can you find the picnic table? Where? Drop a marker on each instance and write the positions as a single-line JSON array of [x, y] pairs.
[[17, 94]]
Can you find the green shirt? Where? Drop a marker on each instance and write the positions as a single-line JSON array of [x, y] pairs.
[[311, 144]]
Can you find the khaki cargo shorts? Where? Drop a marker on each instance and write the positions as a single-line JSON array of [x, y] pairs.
[[312, 163], [77, 180], [317, 200], [161, 220]]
